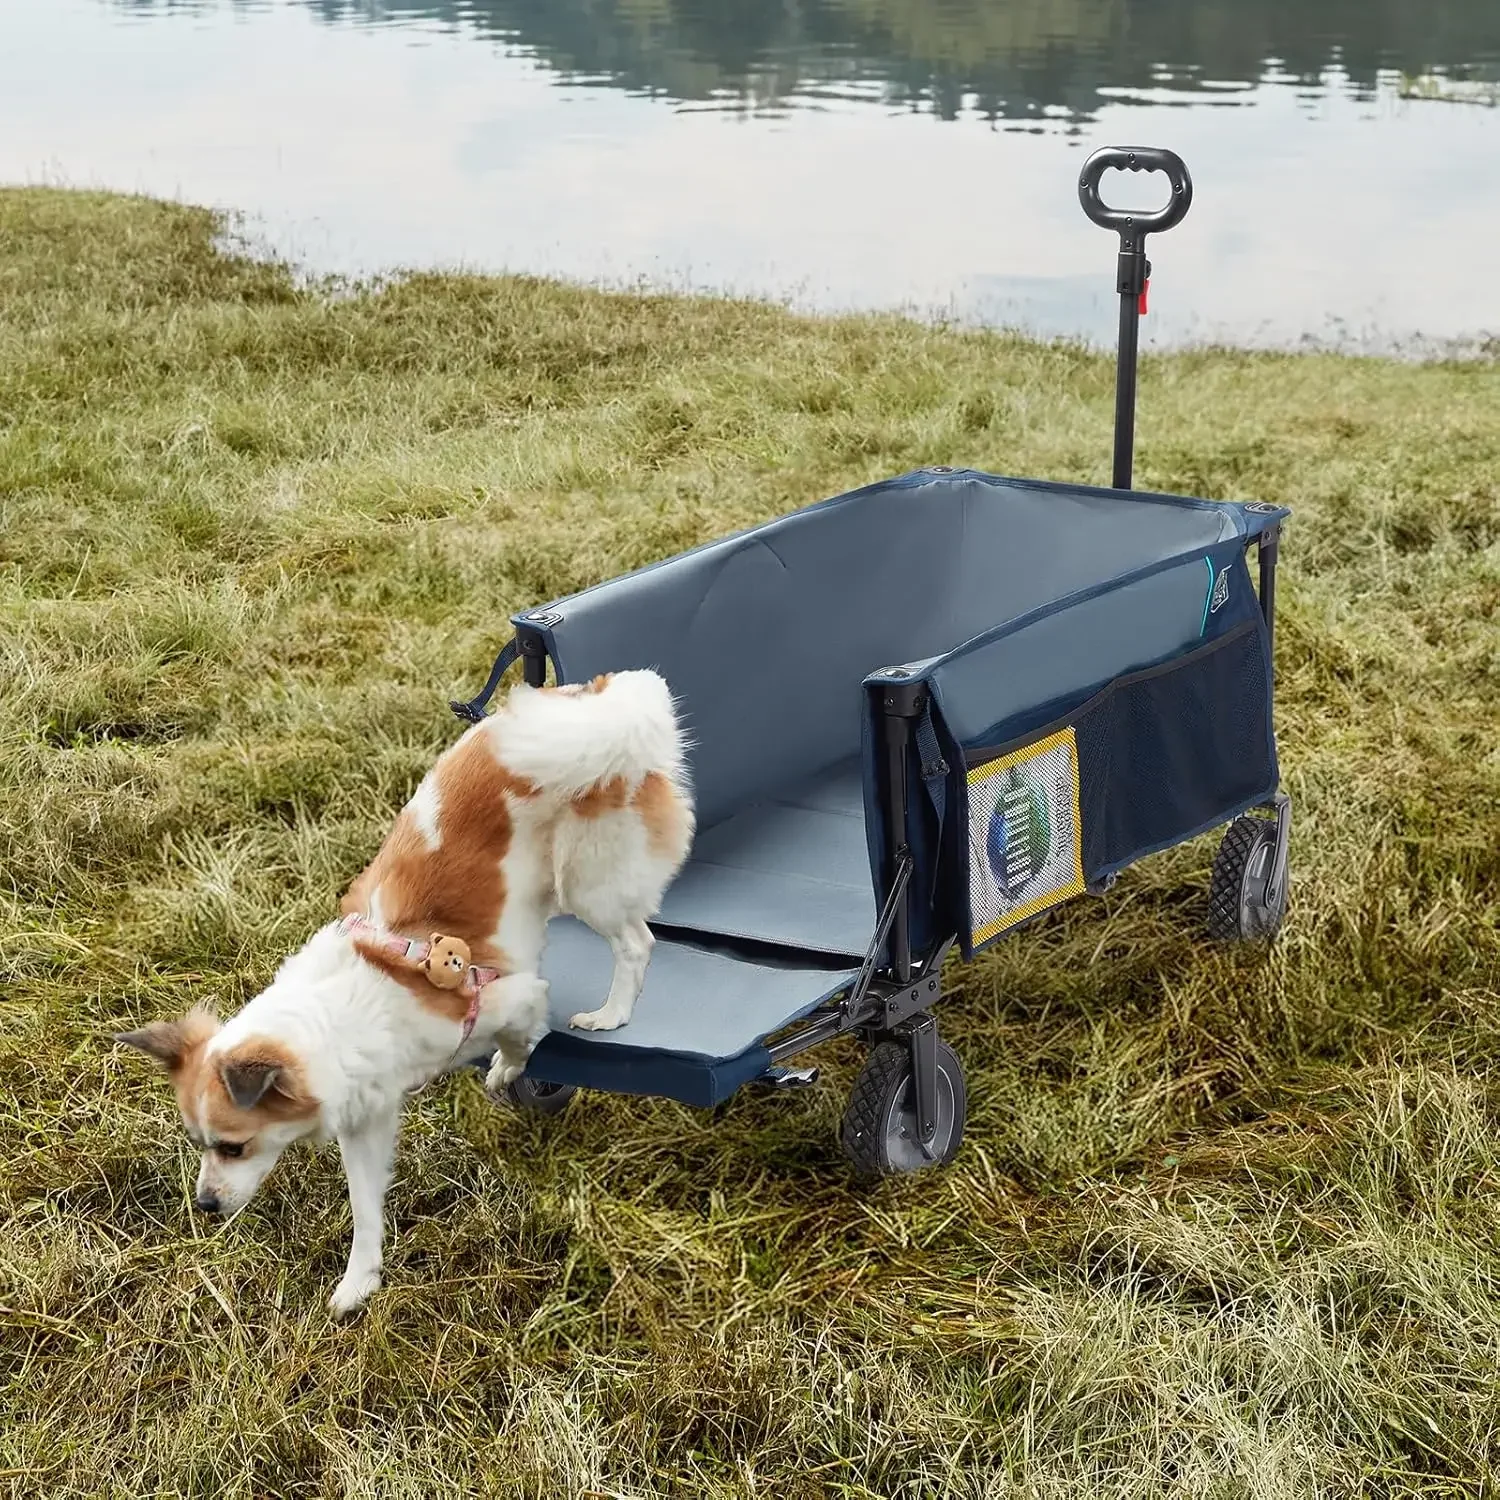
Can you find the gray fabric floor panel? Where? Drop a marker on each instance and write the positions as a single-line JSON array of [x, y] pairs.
[[710, 1004], [792, 870]]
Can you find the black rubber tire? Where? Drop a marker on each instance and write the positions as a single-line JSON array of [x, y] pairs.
[[1236, 895], [879, 1131], [539, 1098]]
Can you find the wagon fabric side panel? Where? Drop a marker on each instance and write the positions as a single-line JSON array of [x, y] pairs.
[[765, 636], [1097, 732]]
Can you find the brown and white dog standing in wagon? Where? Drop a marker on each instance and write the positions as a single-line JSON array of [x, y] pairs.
[[567, 800]]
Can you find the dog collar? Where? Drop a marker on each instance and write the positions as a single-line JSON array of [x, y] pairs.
[[443, 962]]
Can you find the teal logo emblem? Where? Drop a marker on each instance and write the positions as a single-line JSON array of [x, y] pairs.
[[1221, 593]]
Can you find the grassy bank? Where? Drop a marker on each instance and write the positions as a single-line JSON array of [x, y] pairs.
[[1226, 1224]]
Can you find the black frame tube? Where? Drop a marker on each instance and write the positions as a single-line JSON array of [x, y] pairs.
[[897, 733], [895, 900], [921, 1033], [1268, 547], [533, 657], [1125, 379], [900, 703], [822, 1028]]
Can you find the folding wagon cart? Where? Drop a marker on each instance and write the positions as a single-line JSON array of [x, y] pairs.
[[923, 713]]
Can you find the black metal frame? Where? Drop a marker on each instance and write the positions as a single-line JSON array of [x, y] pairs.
[[1268, 545], [1268, 548], [533, 658], [533, 646], [891, 999]]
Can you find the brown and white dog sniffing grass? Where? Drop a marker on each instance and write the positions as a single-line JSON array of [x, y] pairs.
[[567, 800]]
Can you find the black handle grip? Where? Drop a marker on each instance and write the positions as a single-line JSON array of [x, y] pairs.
[[1135, 159]]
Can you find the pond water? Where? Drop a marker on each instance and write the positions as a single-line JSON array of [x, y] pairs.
[[833, 153]]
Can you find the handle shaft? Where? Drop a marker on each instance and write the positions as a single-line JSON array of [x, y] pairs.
[[1130, 327], [1132, 268]]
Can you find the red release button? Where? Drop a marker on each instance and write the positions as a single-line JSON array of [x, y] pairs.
[[1144, 290]]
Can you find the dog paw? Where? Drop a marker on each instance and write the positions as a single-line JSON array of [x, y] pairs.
[[603, 1019], [502, 1073], [352, 1292]]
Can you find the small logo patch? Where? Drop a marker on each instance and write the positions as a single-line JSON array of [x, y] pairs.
[[1025, 834], [1221, 593]]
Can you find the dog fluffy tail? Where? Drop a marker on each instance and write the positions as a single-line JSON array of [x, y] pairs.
[[570, 739]]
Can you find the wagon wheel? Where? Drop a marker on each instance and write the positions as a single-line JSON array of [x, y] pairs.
[[539, 1098], [880, 1135], [1237, 904]]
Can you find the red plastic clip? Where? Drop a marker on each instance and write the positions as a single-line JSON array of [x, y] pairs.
[[1144, 289]]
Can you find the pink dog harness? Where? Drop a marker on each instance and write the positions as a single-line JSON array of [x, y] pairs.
[[443, 962]]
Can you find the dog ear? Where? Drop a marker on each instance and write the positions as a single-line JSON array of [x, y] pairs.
[[162, 1040], [169, 1041], [248, 1080], [260, 1071]]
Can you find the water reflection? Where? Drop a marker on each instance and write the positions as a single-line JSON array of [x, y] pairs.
[[1043, 59], [835, 153]]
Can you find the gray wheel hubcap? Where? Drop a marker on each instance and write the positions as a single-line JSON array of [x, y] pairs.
[[1256, 918], [902, 1144]]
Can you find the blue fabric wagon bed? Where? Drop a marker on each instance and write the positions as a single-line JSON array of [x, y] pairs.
[[921, 713]]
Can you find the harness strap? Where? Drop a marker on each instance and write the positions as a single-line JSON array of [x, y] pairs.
[[416, 953], [356, 925], [472, 712]]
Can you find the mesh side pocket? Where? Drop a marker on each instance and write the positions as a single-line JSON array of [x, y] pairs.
[[1025, 834], [1153, 758], [1172, 750]]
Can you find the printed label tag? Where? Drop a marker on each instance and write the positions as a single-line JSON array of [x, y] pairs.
[[1025, 834], [1221, 593]]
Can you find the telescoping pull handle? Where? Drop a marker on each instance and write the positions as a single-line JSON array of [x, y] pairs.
[[1133, 270]]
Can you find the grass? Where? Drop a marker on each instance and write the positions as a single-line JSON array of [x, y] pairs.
[[1226, 1223]]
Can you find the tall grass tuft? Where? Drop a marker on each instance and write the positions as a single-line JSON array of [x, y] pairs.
[[1226, 1222]]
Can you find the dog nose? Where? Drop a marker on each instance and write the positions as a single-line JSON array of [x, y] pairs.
[[208, 1202]]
